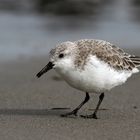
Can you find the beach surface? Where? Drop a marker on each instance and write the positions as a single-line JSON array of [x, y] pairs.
[[30, 108]]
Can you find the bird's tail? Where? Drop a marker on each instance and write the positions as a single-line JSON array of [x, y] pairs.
[[135, 60]]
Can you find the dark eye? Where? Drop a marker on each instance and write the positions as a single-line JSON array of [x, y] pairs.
[[61, 55]]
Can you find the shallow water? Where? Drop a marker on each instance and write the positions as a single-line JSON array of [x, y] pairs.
[[31, 34]]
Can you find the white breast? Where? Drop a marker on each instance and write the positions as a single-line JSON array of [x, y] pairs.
[[97, 76]]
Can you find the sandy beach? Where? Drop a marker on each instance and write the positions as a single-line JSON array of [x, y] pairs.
[[30, 108]]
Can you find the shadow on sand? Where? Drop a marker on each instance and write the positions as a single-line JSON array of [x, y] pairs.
[[53, 111], [47, 112]]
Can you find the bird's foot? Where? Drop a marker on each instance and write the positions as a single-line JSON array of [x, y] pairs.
[[92, 116], [74, 112]]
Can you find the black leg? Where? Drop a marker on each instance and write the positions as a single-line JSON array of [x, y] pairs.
[[74, 112], [94, 115]]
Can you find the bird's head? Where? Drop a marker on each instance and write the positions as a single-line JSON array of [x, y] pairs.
[[60, 58]]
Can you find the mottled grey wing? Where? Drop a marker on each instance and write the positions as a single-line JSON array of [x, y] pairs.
[[117, 58], [108, 53]]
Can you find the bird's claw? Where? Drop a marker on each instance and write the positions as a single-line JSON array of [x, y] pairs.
[[69, 114]]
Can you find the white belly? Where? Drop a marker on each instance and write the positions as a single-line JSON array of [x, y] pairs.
[[96, 77]]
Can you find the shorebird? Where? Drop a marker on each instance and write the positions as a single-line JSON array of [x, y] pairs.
[[92, 66]]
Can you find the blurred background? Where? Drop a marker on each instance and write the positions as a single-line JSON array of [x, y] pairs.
[[29, 27]]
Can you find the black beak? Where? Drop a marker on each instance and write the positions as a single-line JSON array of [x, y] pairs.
[[48, 67]]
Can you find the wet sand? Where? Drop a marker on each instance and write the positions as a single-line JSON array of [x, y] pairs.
[[30, 108]]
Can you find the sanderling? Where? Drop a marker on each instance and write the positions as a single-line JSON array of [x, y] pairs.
[[92, 66]]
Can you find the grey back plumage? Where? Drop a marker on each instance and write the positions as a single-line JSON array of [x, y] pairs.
[[107, 52]]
